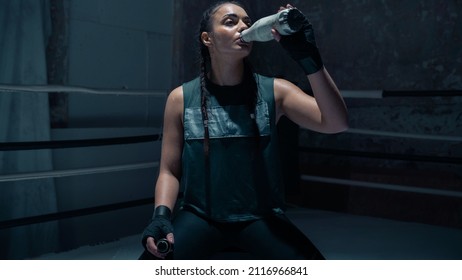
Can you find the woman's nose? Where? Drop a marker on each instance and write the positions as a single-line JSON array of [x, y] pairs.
[[242, 26]]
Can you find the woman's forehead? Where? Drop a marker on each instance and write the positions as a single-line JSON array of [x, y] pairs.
[[230, 9]]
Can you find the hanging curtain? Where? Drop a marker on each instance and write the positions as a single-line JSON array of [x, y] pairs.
[[24, 29]]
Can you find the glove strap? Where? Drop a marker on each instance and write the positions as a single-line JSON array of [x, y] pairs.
[[162, 211], [311, 64]]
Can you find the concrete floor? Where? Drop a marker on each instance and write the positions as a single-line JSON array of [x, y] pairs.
[[338, 236]]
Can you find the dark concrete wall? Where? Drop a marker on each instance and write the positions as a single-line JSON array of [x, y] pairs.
[[365, 44]]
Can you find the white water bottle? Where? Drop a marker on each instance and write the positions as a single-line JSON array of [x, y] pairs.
[[286, 22]]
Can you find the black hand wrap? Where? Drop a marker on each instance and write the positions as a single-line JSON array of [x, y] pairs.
[[301, 46], [159, 226]]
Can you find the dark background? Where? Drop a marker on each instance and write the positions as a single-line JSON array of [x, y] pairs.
[[398, 64]]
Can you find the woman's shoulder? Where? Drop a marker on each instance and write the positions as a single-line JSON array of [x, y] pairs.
[[175, 97], [283, 85], [177, 91]]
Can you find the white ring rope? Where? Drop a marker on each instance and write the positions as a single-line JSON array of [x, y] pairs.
[[76, 172], [405, 135], [373, 185], [75, 89], [374, 94]]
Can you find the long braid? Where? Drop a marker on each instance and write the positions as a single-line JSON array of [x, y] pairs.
[[205, 26], [204, 99]]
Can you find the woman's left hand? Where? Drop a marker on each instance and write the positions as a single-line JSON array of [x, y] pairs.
[[275, 33], [301, 45]]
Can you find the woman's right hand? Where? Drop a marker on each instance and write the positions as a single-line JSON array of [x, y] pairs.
[[159, 227], [152, 248]]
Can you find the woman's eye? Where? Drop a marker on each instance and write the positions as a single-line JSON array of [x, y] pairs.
[[229, 22]]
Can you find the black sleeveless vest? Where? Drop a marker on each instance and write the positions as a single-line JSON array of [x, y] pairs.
[[242, 180]]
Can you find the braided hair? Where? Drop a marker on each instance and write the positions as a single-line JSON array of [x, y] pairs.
[[205, 61]]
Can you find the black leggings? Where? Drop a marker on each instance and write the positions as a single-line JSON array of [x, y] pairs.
[[273, 237]]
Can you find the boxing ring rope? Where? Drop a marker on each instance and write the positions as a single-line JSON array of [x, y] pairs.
[[377, 155], [148, 138], [37, 145], [73, 213], [382, 186], [75, 89], [378, 94], [76, 143], [345, 93], [449, 138], [77, 172]]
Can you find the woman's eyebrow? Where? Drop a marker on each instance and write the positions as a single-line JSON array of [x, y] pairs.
[[233, 15]]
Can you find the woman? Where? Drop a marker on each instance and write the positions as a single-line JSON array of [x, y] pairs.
[[220, 146]]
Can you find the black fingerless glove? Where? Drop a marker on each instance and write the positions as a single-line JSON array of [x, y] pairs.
[[301, 46], [159, 226]]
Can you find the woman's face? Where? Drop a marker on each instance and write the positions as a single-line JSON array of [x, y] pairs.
[[227, 24]]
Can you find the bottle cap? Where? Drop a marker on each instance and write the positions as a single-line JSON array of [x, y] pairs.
[[295, 19]]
